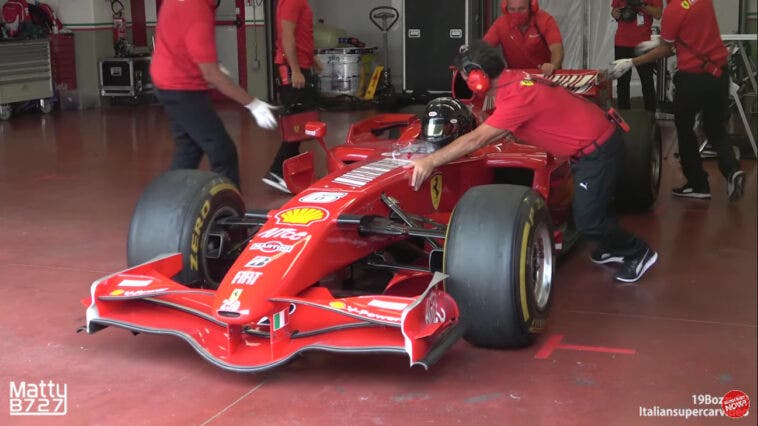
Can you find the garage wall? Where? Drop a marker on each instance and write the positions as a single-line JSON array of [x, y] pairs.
[[92, 22]]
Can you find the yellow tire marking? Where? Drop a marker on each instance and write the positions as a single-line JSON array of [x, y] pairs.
[[222, 186], [522, 272]]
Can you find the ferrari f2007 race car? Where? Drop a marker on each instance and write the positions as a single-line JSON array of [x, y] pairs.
[[356, 261]]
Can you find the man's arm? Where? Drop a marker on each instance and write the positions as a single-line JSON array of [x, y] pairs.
[[290, 53], [261, 111], [548, 27], [466, 144], [556, 59], [664, 50], [224, 84]]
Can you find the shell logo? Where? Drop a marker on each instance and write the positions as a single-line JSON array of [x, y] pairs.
[[685, 5], [117, 292], [302, 216], [527, 83], [338, 305]]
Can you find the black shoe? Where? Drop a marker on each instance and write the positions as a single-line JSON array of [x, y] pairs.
[[736, 185], [635, 266], [601, 257], [690, 191], [275, 181]]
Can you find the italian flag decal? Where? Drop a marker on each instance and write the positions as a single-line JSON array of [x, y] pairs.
[[280, 320]]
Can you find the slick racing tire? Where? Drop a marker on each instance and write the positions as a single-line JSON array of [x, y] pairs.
[[639, 177], [500, 261], [179, 212]]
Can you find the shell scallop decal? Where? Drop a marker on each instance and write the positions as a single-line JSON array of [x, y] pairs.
[[302, 216]]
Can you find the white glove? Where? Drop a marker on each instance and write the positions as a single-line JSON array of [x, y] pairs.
[[263, 113], [647, 46], [618, 68]]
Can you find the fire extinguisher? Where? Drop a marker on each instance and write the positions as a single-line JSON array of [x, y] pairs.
[[119, 23]]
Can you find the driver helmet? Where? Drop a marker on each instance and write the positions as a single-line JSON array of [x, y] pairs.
[[445, 119]]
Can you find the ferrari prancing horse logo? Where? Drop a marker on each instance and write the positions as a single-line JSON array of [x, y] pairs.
[[435, 187]]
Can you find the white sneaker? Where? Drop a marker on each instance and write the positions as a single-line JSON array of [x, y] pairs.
[[275, 181], [736, 185]]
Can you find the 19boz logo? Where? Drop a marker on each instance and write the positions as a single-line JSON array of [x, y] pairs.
[[38, 399]]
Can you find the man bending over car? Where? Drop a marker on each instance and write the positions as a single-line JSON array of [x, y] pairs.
[[563, 124]]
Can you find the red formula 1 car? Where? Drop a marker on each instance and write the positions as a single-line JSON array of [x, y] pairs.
[[354, 262]]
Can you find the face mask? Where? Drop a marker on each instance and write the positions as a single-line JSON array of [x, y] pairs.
[[519, 19]]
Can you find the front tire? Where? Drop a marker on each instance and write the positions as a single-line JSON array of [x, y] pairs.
[[500, 261], [179, 212]]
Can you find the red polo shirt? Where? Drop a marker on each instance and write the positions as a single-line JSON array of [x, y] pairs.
[[529, 49], [691, 25], [299, 12], [548, 117], [185, 36], [632, 33]]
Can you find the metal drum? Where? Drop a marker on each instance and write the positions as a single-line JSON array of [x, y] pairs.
[[346, 70]]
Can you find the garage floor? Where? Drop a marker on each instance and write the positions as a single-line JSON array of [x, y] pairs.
[[69, 182]]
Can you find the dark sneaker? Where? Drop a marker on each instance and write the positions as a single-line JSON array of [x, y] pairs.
[[690, 191], [736, 185], [634, 267], [601, 257], [275, 181]]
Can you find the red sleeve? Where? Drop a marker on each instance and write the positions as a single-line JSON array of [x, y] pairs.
[[671, 22], [617, 4], [549, 29], [289, 10], [201, 42], [655, 3], [493, 34]]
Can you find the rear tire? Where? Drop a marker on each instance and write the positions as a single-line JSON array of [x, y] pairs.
[[178, 212], [639, 178], [500, 261]]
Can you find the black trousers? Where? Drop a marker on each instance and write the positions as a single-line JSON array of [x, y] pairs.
[[646, 78], [594, 184], [704, 93], [294, 101], [198, 130]]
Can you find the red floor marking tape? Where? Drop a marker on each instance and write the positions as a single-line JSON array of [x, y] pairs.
[[554, 342]]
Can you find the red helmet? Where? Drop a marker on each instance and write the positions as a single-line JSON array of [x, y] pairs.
[[534, 6]]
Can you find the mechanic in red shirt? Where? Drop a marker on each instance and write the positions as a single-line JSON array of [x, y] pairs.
[[184, 66], [701, 85], [529, 36], [548, 116], [635, 23], [294, 59]]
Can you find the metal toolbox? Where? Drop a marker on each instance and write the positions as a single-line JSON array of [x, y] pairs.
[[125, 76], [25, 74]]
